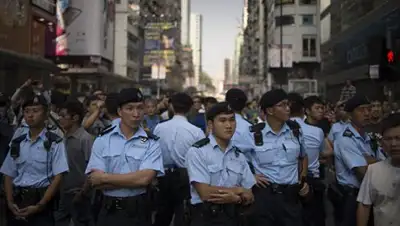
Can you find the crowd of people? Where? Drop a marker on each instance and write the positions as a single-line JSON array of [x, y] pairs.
[[122, 158]]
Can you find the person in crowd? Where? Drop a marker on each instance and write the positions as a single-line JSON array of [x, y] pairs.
[[220, 178], [196, 117], [353, 153], [348, 91], [375, 117], [74, 193], [176, 137], [93, 122], [315, 109], [209, 102], [151, 119], [342, 119], [34, 168], [380, 188], [280, 164], [125, 160]]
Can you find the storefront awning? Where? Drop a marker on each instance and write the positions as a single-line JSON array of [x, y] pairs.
[[8, 57]]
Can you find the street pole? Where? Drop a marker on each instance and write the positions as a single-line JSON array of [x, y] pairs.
[[159, 63], [281, 40]]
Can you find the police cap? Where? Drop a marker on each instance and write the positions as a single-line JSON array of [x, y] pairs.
[[217, 109], [35, 100], [129, 95], [236, 98], [272, 97], [355, 102]]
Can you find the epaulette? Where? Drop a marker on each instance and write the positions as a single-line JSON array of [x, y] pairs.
[[257, 127], [348, 133], [106, 130], [294, 126], [19, 139], [53, 137], [251, 123], [201, 143], [164, 120], [151, 136]]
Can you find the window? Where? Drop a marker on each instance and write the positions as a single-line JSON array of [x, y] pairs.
[[284, 20], [308, 2], [309, 46], [283, 2], [308, 19]]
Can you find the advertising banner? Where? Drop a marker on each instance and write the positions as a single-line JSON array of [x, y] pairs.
[[85, 28], [159, 48]]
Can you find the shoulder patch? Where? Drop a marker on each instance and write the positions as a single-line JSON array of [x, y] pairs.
[[165, 120], [257, 127], [53, 137], [201, 142], [150, 135], [245, 119], [348, 133], [106, 130], [19, 139], [294, 126]]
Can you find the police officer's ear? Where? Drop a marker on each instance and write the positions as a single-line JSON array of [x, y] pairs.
[[119, 111], [210, 125], [269, 111]]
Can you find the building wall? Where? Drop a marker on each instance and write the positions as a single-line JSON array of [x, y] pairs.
[[185, 25], [236, 58], [126, 57], [299, 31], [227, 71], [196, 36]]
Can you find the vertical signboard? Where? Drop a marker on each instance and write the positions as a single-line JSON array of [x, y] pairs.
[[159, 48], [85, 28]]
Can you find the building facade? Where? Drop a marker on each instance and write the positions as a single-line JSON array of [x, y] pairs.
[[27, 33], [127, 39], [196, 41], [355, 35], [236, 57], [296, 27], [227, 71], [185, 15]]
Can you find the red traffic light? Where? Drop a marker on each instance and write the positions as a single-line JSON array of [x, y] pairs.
[[390, 56]]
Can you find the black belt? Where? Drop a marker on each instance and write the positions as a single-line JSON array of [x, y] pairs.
[[348, 190], [215, 209], [123, 203], [26, 196], [283, 188]]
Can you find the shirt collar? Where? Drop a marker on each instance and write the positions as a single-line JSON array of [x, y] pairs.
[[179, 117], [356, 133], [42, 135], [115, 122], [139, 133], [214, 143], [268, 129]]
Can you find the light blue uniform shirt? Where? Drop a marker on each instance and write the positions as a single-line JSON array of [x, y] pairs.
[[113, 153], [115, 122], [177, 135], [278, 158], [313, 145], [210, 165], [35, 166], [337, 129], [242, 138], [350, 149]]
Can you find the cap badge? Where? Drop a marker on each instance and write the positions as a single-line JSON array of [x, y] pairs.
[[36, 100]]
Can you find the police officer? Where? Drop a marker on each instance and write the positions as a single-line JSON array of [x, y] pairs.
[[176, 137], [314, 145], [280, 165], [124, 161], [353, 154], [219, 175], [33, 168], [237, 101]]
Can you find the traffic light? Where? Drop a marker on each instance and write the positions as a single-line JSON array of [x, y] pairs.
[[389, 68]]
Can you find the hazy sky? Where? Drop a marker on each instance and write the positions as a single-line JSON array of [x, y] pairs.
[[220, 26]]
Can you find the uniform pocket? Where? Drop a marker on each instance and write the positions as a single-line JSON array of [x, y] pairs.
[[133, 160], [265, 156], [215, 174], [112, 162], [292, 153], [235, 172]]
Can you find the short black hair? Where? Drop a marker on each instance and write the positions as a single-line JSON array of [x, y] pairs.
[[296, 103], [210, 100], [74, 107], [111, 103], [311, 100], [391, 121], [181, 102]]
